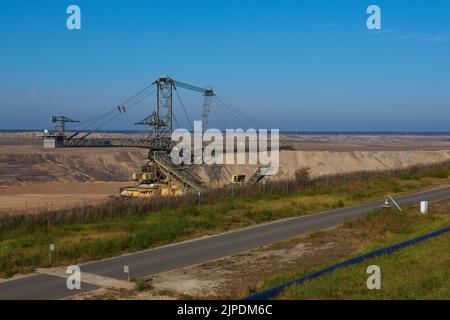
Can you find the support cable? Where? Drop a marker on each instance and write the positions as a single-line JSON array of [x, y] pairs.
[[176, 121], [232, 116], [127, 108], [184, 109], [104, 115], [221, 120], [241, 113]]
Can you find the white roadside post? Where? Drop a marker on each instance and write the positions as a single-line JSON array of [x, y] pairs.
[[126, 269], [52, 248], [386, 204], [423, 206]]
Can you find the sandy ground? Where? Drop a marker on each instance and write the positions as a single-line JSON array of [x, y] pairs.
[[29, 198], [366, 142], [34, 177]]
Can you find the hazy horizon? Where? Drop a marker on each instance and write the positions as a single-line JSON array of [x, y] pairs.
[[293, 65]]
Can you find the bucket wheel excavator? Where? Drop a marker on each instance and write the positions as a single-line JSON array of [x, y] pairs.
[[159, 176]]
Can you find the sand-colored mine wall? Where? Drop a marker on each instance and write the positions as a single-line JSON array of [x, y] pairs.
[[333, 162], [36, 165], [74, 165], [330, 162]]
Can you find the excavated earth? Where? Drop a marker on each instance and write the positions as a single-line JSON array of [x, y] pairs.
[[32, 176]]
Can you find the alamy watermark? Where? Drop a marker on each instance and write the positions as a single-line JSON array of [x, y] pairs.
[[235, 146], [373, 22], [73, 21], [374, 280], [74, 280]]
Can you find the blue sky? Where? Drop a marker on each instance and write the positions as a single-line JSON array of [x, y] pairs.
[[294, 65]]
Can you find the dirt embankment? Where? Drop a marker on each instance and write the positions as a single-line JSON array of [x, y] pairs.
[[33, 178], [24, 161], [332, 162], [74, 165]]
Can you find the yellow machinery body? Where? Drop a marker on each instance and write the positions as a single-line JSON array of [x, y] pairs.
[[146, 191], [160, 177]]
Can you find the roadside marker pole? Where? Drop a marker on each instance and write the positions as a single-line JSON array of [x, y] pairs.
[[423, 206], [126, 269], [52, 248]]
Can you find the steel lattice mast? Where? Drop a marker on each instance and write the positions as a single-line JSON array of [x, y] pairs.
[[161, 120]]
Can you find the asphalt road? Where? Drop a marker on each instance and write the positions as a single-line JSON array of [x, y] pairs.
[[39, 287], [195, 251]]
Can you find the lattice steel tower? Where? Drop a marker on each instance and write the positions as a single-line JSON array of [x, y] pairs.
[[161, 120]]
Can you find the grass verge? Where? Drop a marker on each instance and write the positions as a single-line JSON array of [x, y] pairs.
[[417, 272]]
